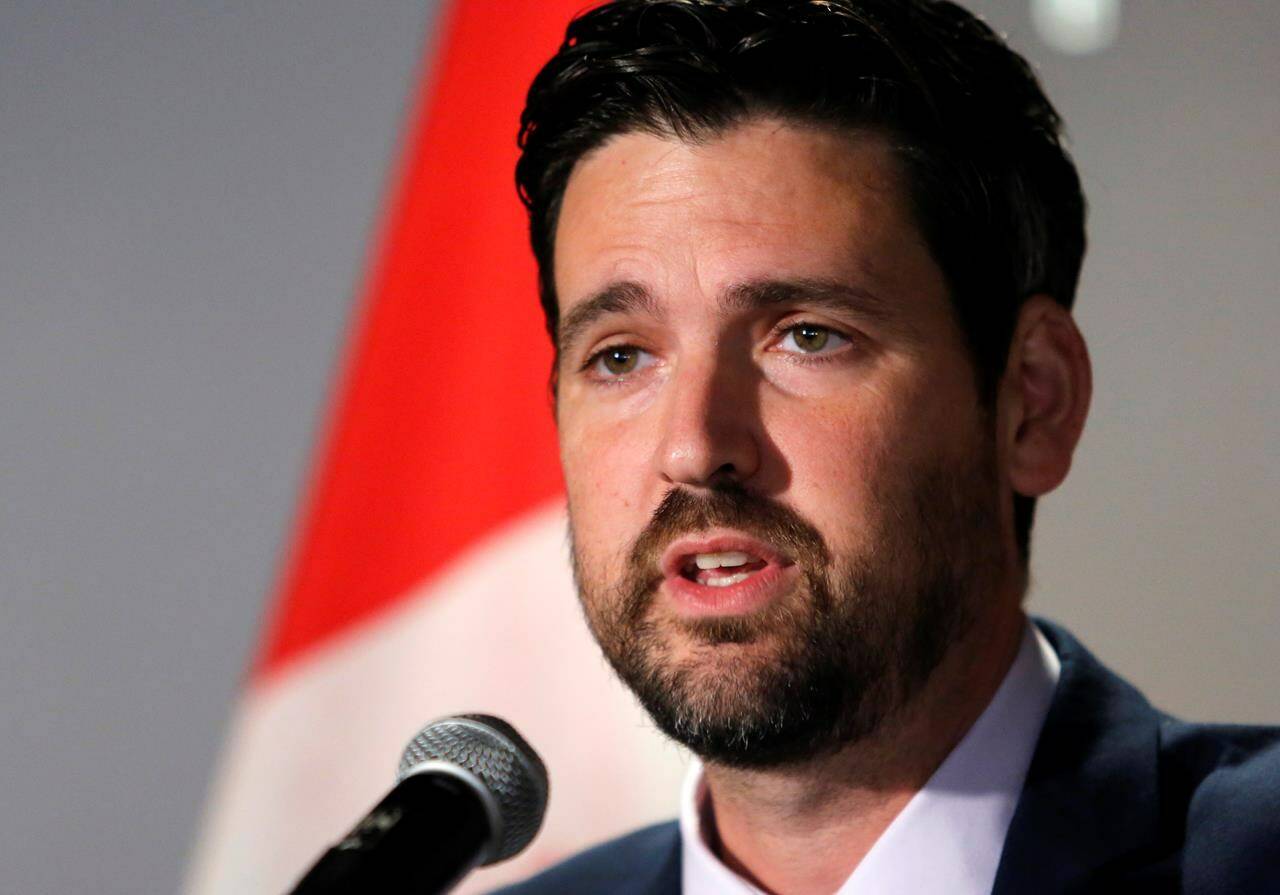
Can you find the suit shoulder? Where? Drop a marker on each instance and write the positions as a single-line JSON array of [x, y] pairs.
[[1227, 778], [650, 855], [1230, 755]]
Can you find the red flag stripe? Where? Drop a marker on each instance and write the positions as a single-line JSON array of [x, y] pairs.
[[442, 429]]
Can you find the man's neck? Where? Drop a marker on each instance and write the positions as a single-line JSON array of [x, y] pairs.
[[802, 829]]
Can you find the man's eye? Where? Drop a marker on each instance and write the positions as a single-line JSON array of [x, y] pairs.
[[809, 338], [617, 360]]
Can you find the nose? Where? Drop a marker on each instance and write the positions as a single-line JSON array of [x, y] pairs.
[[710, 432]]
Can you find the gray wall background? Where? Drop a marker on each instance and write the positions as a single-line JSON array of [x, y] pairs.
[[187, 192]]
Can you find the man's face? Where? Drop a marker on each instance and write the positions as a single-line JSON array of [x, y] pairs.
[[782, 485]]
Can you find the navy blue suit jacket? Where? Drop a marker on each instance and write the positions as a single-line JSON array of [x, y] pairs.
[[1119, 798]]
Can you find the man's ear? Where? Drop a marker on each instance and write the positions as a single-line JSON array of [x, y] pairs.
[[1045, 395]]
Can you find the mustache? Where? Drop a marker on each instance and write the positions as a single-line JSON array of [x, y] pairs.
[[728, 506]]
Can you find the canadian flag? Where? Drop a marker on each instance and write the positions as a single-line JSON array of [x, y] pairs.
[[430, 571]]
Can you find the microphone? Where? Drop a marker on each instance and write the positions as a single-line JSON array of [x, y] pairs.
[[470, 792]]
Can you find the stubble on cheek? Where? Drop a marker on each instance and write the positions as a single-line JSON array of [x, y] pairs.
[[829, 662], [709, 666]]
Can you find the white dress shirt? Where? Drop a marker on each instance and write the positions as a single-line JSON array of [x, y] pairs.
[[949, 837]]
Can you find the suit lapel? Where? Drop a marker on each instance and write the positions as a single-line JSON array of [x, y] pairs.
[[657, 865], [666, 878], [1090, 803]]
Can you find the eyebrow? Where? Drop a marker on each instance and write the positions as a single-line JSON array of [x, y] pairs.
[[629, 297], [832, 295], [625, 297]]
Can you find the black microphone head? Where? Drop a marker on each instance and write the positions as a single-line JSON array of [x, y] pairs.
[[512, 778]]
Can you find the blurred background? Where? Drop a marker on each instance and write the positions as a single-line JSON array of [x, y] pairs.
[[188, 194]]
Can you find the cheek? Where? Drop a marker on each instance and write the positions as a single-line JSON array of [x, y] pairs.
[[602, 464], [844, 454], [832, 454], [604, 472]]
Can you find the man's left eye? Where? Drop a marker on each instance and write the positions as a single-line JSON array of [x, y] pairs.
[[810, 338]]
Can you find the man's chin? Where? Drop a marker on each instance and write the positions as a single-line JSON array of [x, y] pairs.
[[721, 662], [728, 704], [728, 649], [775, 623], [709, 634]]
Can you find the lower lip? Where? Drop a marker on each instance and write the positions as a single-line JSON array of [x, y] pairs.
[[694, 600]]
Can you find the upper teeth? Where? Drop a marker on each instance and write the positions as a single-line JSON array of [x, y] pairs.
[[718, 560]]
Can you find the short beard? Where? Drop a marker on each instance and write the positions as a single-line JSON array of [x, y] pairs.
[[852, 645]]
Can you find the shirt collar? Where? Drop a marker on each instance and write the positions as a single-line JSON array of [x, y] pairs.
[[949, 836]]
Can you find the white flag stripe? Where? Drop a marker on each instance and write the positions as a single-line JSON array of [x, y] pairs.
[[499, 632]]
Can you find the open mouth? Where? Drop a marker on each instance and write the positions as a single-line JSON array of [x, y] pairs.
[[724, 573], [722, 569]]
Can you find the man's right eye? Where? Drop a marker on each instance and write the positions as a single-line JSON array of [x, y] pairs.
[[617, 361]]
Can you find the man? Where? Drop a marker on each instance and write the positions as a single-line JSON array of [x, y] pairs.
[[808, 267]]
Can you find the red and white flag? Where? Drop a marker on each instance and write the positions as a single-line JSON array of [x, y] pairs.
[[430, 574]]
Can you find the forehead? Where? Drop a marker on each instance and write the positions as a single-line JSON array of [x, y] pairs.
[[765, 199]]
